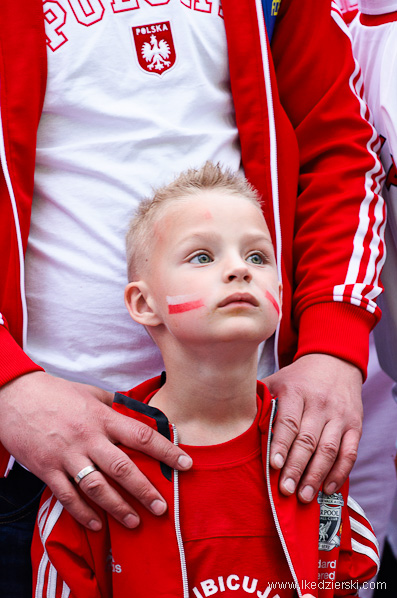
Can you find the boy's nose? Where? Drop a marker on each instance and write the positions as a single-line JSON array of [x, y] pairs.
[[238, 271]]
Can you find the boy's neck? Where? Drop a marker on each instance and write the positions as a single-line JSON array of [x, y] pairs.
[[210, 398]]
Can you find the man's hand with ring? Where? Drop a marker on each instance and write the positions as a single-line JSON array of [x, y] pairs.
[[57, 429]]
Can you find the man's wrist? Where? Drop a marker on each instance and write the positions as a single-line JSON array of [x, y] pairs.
[[337, 329]]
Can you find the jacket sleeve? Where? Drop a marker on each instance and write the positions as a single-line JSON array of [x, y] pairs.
[[14, 362], [338, 243], [63, 557], [359, 552], [22, 85]]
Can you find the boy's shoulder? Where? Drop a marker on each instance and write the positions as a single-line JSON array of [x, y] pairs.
[[134, 403], [142, 391]]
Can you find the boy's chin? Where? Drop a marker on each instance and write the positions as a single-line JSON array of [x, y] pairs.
[[246, 335], [239, 334]]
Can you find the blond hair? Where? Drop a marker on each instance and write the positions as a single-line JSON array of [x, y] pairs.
[[191, 182]]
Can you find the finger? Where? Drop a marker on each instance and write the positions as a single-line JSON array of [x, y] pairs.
[[98, 489], [141, 437], [285, 430], [301, 451], [344, 463], [104, 396], [68, 496], [118, 466], [322, 461]]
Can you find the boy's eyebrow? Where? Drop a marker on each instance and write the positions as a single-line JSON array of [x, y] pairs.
[[260, 237], [198, 236], [252, 237]]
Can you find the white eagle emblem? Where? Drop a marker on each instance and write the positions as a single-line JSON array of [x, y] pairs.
[[156, 53], [154, 47]]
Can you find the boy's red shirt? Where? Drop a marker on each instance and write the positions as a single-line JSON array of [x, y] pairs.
[[328, 546]]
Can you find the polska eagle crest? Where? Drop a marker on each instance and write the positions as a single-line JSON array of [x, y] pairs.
[[330, 520], [155, 47]]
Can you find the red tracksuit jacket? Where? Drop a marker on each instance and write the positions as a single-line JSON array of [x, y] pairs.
[[330, 548], [305, 146]]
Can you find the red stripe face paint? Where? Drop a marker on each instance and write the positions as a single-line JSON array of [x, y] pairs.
[[179, 308], [273, 302], [181, 303]]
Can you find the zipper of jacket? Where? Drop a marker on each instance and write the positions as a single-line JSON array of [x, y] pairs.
[[273, 153], [274, 512], [177, 523]]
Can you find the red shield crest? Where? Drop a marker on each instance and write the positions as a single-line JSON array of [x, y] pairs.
[[154, 47]]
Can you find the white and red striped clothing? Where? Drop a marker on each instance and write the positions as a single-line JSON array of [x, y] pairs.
[[374, 34]]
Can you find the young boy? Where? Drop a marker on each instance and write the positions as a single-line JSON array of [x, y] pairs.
[[203, 281]]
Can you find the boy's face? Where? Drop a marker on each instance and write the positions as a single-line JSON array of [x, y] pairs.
[[212, 272]]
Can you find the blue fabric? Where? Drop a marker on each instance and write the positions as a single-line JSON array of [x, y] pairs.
[[20, 496], [270, 10]]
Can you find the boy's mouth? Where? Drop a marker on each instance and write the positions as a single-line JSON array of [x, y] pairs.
[[239, 298]]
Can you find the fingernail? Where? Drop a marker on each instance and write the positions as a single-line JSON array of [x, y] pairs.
[[331, 488], [158, 507], [289, 485], [185, 462], [95, 525], [278, 460], [307, 493], [131, 520]]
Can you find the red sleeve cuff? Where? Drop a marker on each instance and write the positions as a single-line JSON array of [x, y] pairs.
[[338, 329], [14, 363]]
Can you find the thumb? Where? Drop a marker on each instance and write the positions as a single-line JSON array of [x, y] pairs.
[[102, 395], [273, 383]]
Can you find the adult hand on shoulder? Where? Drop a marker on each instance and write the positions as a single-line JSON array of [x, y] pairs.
[[56, 428], [318, 425]]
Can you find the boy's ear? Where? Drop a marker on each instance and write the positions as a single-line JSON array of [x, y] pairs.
[[280, 296], [139, 304]]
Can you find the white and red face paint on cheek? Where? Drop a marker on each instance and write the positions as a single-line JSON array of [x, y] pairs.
[[274, 301], [178, 304]]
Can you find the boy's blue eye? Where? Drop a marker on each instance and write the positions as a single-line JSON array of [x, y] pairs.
[[256, 259], [201, 258]]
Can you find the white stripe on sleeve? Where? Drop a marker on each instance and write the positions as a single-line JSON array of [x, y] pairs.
[[363, 549], [47, 520], [353, 504], [363, 531], [52, 582], [372, 185]]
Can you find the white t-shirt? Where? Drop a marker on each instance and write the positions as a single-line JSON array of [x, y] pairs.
[[138, 90]]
